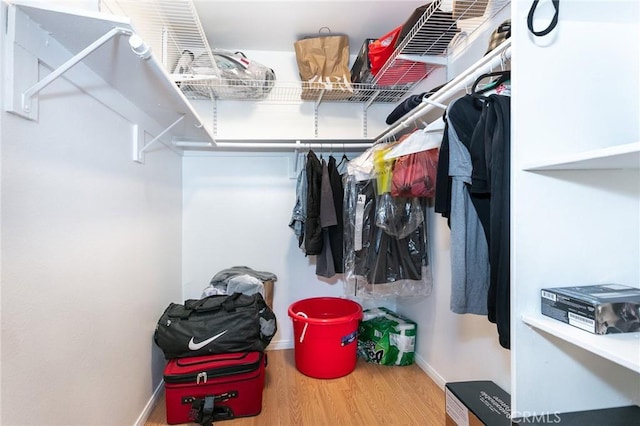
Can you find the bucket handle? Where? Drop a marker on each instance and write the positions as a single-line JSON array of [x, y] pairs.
[[304, 330]]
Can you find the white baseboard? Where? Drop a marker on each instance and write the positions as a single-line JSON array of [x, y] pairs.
[[424, 366], [280, 344], [153, 401]]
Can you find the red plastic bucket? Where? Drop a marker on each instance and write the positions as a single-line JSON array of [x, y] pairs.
[[325, 330]]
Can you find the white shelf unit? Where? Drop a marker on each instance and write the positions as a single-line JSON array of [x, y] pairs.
[[625, 156], [575, 201], [95, 51], [622, 349]]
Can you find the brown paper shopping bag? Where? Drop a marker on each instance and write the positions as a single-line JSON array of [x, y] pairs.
[[323, 64]]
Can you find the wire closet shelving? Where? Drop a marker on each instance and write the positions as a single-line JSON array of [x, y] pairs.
[[173, 26]]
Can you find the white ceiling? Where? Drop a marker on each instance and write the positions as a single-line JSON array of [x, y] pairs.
[[276, 25]]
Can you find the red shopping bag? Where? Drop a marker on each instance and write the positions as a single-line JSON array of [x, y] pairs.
[[381, 49], [401, 71]]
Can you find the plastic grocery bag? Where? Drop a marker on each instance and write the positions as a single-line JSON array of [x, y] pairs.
[[414, 175]]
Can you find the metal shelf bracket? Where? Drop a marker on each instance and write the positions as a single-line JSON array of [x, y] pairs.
[[28, 95], [22, 65], [316, 105], [138, 139]]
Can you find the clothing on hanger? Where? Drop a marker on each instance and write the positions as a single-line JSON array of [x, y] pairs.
[[409, 104], [469, 250], [342, 165], [420, 140], [497, 147], [299, 213], [380, 257], [336, 233], [362, 167], [313, 231], [317, 217], [475, 155], [442, 202], [325, 266], [414, 175]]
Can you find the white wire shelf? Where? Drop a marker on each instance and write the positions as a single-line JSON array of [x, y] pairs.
[[432, 39], [289, 92], [171, 27]]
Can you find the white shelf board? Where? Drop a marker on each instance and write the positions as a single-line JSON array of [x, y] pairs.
[[144, 83], [622, 349], [625, 156], [426, 59]]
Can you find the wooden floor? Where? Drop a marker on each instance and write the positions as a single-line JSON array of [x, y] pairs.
[[371, 395]]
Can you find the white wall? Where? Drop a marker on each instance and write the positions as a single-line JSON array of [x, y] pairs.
[[2, 18], [236, 212], [90, 255]]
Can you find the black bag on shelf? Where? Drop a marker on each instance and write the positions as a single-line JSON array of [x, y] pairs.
[[361, 68], [214, 325], [411, 21], [499, 35]]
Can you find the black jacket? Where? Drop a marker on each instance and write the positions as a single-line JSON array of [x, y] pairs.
[[336, 233], [313, 231]]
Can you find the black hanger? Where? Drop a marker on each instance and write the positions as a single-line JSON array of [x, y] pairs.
[[343, 159], [502, 77]]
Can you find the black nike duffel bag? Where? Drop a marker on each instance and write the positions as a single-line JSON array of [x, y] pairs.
[[215, 325]]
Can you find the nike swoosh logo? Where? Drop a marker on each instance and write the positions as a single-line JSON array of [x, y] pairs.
[[195, 346]]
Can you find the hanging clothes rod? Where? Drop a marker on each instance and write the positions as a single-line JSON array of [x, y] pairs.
[[443, 96], [296, 144], [289, 145]]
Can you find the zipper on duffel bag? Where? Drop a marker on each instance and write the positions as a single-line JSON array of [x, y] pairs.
[[203, 376]]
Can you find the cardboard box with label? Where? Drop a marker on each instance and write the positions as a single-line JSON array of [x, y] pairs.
[[477, 403], [598, 309]]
